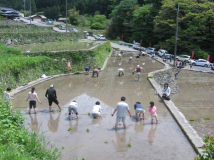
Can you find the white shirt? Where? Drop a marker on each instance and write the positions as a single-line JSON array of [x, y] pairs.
[[32, 96], [96, 109], [6, 95], [73, 104], [166, 91], [119, 55], [120, 70]]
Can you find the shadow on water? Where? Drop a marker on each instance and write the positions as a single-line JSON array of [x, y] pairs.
[[148, 141]]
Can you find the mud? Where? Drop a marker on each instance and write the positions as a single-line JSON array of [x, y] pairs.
[[162, 141], [196, 100]]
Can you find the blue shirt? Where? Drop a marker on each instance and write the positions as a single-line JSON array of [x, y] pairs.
[[88, 67], [137, 105]]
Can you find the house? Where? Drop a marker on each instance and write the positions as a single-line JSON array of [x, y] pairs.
[[62, 20], [38, 18], [9, 13], [21, 14]]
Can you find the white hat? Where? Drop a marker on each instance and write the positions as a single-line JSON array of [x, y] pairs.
[[138, 66], [51, 85]]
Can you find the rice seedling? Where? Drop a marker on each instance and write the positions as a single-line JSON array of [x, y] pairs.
[[129, 144], [106, 141], [69, 129], [87, 130], [207, 118]]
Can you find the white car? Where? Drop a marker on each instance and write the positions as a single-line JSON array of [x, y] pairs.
[[17, 19], [150, 50], [86, 33], [100, 37], [62, 27], [201, 62], [162, 52]]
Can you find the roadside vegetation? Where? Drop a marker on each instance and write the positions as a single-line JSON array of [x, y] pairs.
[[16, 142]]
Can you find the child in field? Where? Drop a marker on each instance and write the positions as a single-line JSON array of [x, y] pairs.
[[191, 65], [152, 110], [176, 75], [7, 96]]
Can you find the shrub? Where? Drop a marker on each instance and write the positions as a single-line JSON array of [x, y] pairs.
[[97, 25], [208, 149], [16, 142]]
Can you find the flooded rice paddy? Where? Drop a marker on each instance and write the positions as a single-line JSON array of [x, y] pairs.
[[58, 46], [196, 100], [164, 141]]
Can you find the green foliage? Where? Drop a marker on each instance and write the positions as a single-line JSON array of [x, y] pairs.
[[97, 25], [16, 142], [207, 118], [74, 16], [192, 119], [52, 12], [208, 149]]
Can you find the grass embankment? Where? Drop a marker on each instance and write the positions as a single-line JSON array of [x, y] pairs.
[[16, 142], [17, 69], [55, 46]]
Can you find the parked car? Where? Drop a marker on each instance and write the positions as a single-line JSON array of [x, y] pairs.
[[86, 33], [212, 67], [62, 27], [17, 19], [73, 30], [201, 62], [101, 37], [96, 36], [150, 50], [162, 52], [183, 58]]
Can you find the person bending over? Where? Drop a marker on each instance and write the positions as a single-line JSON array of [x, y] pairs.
[[73, 109], [87, 69], [95, 71], [96, 112], [139, 109], [120, 72]]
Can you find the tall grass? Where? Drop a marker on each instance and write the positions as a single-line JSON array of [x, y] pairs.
[[16, 142]]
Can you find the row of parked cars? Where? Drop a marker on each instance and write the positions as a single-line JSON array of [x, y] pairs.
[[187, 58], [99, 37]]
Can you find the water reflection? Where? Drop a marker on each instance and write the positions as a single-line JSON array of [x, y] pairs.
[[53, 124], [121, 144], [75, 126], [151, 134], [34, 124], [69, 82], [119, 62], [97, 120], [139, 126]]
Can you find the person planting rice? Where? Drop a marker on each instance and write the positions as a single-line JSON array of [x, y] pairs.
[[138, 72], [130, 60], [176, 75], [119, 56], [96, 71], [32, 96], [51, 96], [72, 109], [87, 69], [96, 112], [120, 71]]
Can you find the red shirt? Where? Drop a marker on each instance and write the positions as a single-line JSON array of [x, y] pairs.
[[138, 69]]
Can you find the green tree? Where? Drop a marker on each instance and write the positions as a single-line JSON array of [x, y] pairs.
[[74, 16], [97, 25], [195, 30]]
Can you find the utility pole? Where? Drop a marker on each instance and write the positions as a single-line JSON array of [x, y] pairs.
[[30, 12], [176, 36], [66, 17], [24, 5]]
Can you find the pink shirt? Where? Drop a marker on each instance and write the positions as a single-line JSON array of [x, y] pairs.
[[152, 110]]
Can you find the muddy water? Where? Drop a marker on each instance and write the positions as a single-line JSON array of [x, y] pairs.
[[196, 100], [163, 141]]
